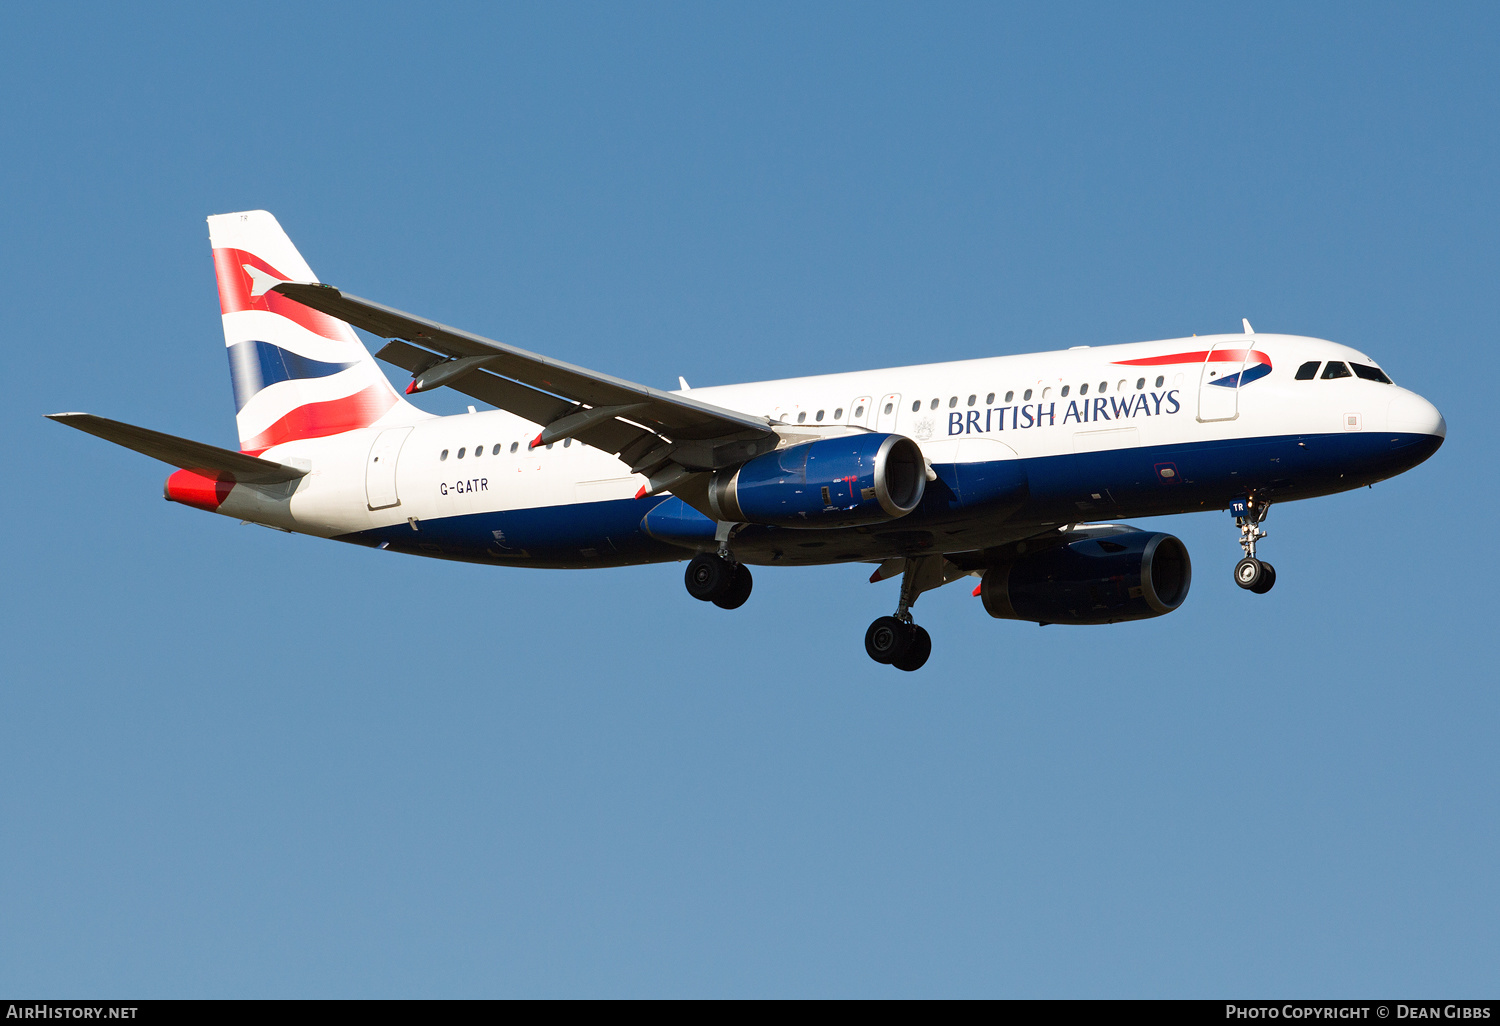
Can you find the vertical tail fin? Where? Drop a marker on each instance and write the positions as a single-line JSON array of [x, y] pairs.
[[297, 373]]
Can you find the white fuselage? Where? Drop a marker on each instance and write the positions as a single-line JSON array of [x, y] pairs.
[[1104, 399]]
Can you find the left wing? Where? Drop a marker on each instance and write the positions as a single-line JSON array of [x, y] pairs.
[[669, 438]]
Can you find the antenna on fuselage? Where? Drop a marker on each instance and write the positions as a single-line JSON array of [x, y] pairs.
[[1246, 322]]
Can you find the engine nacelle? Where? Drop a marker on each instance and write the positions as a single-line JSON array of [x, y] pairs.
[[1102, 578], [833, 482]]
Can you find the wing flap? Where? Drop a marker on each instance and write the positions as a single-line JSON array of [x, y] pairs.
[[537, 407], [180, 452]]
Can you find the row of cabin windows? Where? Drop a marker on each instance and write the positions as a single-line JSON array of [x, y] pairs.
[[989, 400], [514, 446], [860, 411], [1307, 372], [1338, 369], [802, 417]]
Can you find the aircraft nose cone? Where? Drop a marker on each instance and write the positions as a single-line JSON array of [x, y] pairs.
[[1410, 414]]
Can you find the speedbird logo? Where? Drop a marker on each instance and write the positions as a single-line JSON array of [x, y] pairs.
[[1254, 363]]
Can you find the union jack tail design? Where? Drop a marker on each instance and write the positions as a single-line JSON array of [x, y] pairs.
[[297, 373]]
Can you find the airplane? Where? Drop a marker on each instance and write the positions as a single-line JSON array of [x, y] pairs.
[[1013, 469]]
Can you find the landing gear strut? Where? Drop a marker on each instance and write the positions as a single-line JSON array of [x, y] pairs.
[[896, 640], [715, 578], [1250, 573]]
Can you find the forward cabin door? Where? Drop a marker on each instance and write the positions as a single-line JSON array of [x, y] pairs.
[[1224, 362], [886, 412], [380, 470]]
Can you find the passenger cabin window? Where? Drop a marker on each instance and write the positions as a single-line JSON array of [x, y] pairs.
[[1027, 396], [916, 406], [934, 404], [514, 446], [1103, 386], [1308, 370], [952, 402], [989, 400], [567, 442], [972, 398], [1140, 384], [819, 417], [461, 453], [1370, 373], [1064, 391], [1083, 389], [1011, 395], [496, 450], [478, 451], [802, 417], [443, 456], [888, 407], [1335, 369], [1160, 380], [838, 414], [860, 412]]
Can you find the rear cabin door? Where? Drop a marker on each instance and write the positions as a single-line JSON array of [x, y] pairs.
[[380, 471], [1219, 382], [885, 415]]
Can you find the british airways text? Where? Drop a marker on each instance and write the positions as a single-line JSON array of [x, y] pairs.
[[1082, 411]]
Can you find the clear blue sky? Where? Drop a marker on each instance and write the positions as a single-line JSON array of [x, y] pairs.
[[236, 762]]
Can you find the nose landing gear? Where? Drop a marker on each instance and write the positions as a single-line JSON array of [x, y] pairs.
[[1250, 573]]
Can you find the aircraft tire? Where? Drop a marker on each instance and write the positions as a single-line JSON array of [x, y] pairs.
[[709, 577], [1267, 579], [739, 589], [1248, 573], [916, 656], [888, 639]]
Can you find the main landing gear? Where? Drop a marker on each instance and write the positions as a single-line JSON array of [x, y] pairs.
[[716, 578], [1250, 573], [896, 640]]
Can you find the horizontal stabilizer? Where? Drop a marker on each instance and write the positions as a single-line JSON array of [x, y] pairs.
[[181, 452]]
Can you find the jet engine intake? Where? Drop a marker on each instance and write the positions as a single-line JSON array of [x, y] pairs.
[[1103, 578], [832, 482]]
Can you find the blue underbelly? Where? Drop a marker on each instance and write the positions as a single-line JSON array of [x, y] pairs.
[[1117, 483]]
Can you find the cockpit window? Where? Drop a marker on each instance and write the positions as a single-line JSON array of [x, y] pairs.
[[1335, 369], [1370, 373], [1309, 370]]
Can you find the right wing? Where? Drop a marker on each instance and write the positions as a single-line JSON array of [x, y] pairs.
[[669, 438], [181, 452]]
